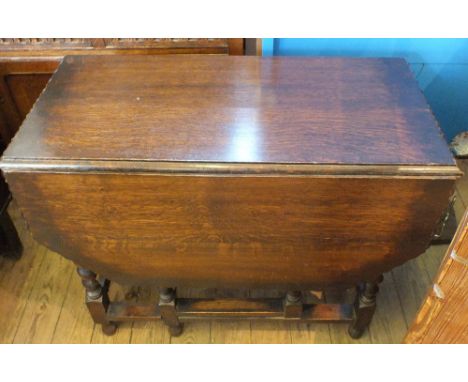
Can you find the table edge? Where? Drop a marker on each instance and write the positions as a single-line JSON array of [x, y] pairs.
[[228, 169]]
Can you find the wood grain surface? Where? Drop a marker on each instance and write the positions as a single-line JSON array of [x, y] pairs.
[[232, 231], [232, 109]]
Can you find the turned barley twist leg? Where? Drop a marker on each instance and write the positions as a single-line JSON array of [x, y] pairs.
[[97, 300]]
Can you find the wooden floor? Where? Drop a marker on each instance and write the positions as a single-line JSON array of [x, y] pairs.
[[41, 301]]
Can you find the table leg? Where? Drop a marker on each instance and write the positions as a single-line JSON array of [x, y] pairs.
[[364, 307], [168, 311], [97, 300]]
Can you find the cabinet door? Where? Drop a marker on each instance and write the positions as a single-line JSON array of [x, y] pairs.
[[443, 317]]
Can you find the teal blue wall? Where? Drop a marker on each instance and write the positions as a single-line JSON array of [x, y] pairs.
[[439, 65]]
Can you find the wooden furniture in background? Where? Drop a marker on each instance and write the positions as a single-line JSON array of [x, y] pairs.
[[26, 65], [443, 317], [253, 46], [243, 172]]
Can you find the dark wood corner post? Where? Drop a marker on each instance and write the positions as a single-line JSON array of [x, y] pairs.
[[364, 307], [167, 308], [97, 299]]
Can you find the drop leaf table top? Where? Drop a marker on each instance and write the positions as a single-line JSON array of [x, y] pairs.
[[232, 110], [254, 172]]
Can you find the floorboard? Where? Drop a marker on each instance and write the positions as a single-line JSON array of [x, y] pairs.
[[389, 324], [17, 284], [40, 316], [74, 325]]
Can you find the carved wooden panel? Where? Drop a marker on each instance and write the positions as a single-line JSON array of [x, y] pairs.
[[112, 43], [45, 43], [161, 43]]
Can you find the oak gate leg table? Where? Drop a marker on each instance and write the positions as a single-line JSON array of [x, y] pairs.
[[231, 172]]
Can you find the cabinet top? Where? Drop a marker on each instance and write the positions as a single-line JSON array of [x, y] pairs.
[[229, 111]]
